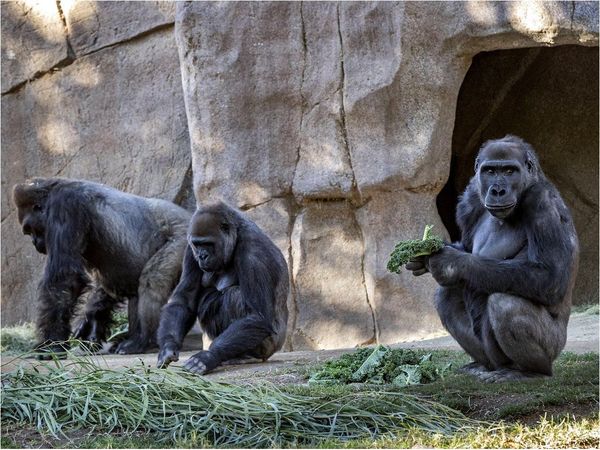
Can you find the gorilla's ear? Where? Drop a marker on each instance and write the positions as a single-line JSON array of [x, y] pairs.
[[476, 164]]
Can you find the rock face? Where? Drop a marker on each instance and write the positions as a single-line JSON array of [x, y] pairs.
[[115, 116], [333, 125], [33, 40], [344, 113]]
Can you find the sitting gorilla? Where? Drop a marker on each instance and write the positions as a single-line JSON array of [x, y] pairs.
[[235, 281], [119, 245], [505, 292]]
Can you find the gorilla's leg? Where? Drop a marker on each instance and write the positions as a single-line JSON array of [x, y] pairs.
[[237, 333], [527, 334], [159, 276], [450, 305], [97, 317]]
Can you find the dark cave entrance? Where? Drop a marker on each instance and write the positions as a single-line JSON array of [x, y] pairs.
[[549, 97]]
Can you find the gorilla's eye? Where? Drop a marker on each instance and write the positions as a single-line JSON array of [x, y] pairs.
[[37, 208], [225, 227], [489, 171], [509, 171]]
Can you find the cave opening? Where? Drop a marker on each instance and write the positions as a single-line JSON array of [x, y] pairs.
[[549, 97]]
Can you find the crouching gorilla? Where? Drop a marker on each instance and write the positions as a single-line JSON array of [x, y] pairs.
[[505, 292], [235, 281], [119, 245]]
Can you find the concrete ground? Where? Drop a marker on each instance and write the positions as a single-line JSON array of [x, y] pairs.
[[290, 367]]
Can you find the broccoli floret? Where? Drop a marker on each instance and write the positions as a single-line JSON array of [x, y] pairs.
[[407, 250]]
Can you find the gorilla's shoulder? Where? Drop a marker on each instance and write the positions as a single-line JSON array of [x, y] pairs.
[[541, 198]]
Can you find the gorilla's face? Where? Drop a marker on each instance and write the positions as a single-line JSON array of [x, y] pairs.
[[212, 240], [32, 219], [503, 175]]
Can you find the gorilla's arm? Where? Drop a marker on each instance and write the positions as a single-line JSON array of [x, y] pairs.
[[178, 316], [64, 277], [542, 277], [258, 273]]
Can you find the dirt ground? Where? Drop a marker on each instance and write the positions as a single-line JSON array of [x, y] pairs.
[[288, 367]]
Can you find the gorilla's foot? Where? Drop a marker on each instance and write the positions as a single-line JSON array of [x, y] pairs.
[[131, 346], [201, 363], [473, 368], [503, 375]]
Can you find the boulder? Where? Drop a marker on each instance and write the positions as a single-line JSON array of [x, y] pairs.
[[242, 74]]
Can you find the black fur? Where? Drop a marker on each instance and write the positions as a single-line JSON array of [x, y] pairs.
[[119, 245], [235, 281], [505, 292]]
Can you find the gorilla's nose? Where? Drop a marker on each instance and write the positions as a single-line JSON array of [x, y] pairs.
[[497, 191]]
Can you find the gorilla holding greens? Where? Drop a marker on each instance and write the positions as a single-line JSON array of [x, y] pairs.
[[505, 288], [235, 282]]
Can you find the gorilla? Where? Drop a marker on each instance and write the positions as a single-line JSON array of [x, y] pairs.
[[505, 288], [107, 243], [235, 281]]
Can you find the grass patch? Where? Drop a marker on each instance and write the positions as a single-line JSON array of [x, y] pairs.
[[85, 404], [61, 396], [547, 433], [574, 386]]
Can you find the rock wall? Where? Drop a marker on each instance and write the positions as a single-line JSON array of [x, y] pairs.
[[330, 124]]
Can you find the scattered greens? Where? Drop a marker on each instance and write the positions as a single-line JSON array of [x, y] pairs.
[[60, 396], [382, 365], [404, 251]]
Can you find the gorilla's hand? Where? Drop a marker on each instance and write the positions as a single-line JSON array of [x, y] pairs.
[[201, 363], [446, 265], [418, 265], [166, 356]]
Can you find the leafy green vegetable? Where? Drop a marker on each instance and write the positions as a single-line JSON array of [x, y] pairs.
[[381, 365], [404, 251]]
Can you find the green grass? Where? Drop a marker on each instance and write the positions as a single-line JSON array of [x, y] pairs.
[[575, 382], [59, 397], [122, 405], [548, 433]]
